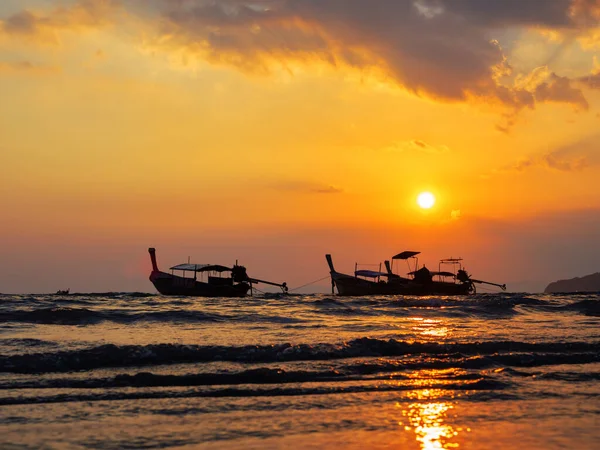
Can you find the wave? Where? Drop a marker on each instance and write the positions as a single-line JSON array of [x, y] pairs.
[[589, 307], [328, 301], [480, 384], [63, 315], [496, 305], [484, 353], [85, 316], [262, 375], [25, 342], [109, 294]]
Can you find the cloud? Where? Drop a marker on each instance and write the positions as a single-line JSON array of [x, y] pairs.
[[570, 158], [592, 80], [27, 68], [455, 214], [437, 48], [550, 161], [441, 49], [417, 145], [561, 90], [306, 187], [43, 27], [329, 190]]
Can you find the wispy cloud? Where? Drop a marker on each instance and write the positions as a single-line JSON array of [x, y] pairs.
[[43, 27], [417, 145], [27, 68], [570, 158], [550, 161], [306, 187], [329, 190]]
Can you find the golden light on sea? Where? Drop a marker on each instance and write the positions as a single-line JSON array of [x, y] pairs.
[[427, 419]]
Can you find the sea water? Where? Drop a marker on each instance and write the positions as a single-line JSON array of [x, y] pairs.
[[119, 370]]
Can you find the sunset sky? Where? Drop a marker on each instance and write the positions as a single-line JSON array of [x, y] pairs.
[[275, 131]]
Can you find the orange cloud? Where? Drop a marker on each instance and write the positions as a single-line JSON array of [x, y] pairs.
[[329, 190], [561, 90], [592, 80], [435, 48], [306, 187], [43, 27], [417, 145], [570, 158]]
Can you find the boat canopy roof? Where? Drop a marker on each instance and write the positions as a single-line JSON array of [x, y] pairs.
[[443, 274], [202, 268], [405, 255], [370, 274]]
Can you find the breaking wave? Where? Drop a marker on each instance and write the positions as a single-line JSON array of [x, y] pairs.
[[433, 355]]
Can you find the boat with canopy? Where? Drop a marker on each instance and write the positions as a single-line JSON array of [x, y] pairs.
[[205, 280], [450, 279]]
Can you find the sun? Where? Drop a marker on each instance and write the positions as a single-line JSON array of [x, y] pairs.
[[426, 200]]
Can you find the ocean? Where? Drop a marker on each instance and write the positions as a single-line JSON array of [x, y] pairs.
[[134, 370]]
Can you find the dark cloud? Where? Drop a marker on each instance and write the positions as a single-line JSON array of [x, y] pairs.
[[442, 49], [42, 26], [560, 89], [501, 13], [438, 48], [425, 55], [21, 23], [591, 81]]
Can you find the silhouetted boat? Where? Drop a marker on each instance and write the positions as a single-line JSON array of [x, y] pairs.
[[65, 292], [419, 281], [236, 283]]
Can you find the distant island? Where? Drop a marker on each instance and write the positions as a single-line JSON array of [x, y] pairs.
[[589, 283]]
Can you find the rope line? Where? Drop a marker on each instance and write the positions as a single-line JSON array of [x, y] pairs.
[[258, 290], [308, 284]]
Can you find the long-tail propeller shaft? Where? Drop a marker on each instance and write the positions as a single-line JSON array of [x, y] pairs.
[[283, 286], [463, 276], [501, 286]]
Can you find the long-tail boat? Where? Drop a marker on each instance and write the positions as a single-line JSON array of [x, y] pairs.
[[455, 281], [221, 281]]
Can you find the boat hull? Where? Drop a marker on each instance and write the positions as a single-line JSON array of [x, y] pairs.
[[168, 284], [352, 286]]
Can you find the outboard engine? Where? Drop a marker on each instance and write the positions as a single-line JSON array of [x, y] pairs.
[[463, 276]]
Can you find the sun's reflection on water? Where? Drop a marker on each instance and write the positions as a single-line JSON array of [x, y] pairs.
[[426, 418], [434, 328]]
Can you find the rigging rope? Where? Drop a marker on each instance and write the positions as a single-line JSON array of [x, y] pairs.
[[258, 290], [295, 289], [308, 284]]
